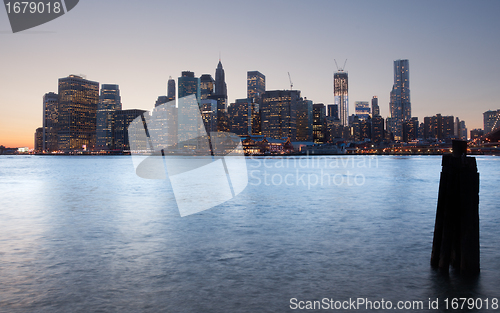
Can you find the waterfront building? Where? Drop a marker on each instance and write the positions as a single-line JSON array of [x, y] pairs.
[[491, 120], [304, 120], [122, 120], [206, 86], [476, 133], [78, 101], [171, 89], [318, 125], [341, 95], [375, 107], [109, 102], [279, 114], [39, 139], [400, 105], [377, 132], [50, 121]]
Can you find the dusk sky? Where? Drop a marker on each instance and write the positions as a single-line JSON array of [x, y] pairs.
[[453, 48]]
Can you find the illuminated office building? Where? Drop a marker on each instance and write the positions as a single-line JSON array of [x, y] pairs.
[[256, 86], [279, 114], [341, 95], [50, 119], [400, 105], [78, 101], [375, 107], [109, 102], [304, 120], [319, 114], [206, 86], [122, 120], [362, 109], [171, 89], [491, 120]]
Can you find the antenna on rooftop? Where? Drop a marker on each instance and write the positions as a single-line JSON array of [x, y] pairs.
[[341, 69]]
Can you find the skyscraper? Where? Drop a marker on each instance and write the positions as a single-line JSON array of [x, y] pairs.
[[333, 111], [109, 102], [50, 119], [375, 107], [220, 94], [220, 86], [122, 120], [171, 89], [187, 118], [318, 125], [400, 105], [362, 109], [279, 114], [206, 86], [78, 99], [341, 95], [305, 120], [256, 85], [491, 120]]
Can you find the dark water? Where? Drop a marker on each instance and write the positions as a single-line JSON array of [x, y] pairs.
[[85, 234]]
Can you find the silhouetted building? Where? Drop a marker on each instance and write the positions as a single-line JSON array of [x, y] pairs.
[[341, 95], [187, 119], [333, 111], [109, 102], [378, 132], [410, 129], [171, 89], [400, 105], [491, 120], [241, 114], [161, 100], [319, 114], [279, 114], [50, 121], [122, 120], [304, 120], [39, 139], [78, 100], [438, 127], [209, 114], [476, 133], [207, 84], [375, 107]]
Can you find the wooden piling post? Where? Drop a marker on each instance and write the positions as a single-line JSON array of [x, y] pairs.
[[456, 230]]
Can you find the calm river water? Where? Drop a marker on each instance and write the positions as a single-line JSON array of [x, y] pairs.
[[86, 234]]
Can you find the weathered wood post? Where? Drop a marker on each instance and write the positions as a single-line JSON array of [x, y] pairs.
[[456, 231]]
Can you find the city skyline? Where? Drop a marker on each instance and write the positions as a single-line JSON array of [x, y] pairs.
[[441, 62]]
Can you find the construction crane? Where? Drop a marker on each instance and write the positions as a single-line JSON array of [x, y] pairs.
[[291, 84], [342, 68]]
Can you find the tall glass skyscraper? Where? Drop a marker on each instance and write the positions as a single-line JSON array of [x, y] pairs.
[[78, 100], [206, 86], [256, 86], [50, 119], [171, 89], [109, 102], [341, 96], [400, 105]]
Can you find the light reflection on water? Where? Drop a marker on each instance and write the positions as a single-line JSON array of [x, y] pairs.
[[86, 234]]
